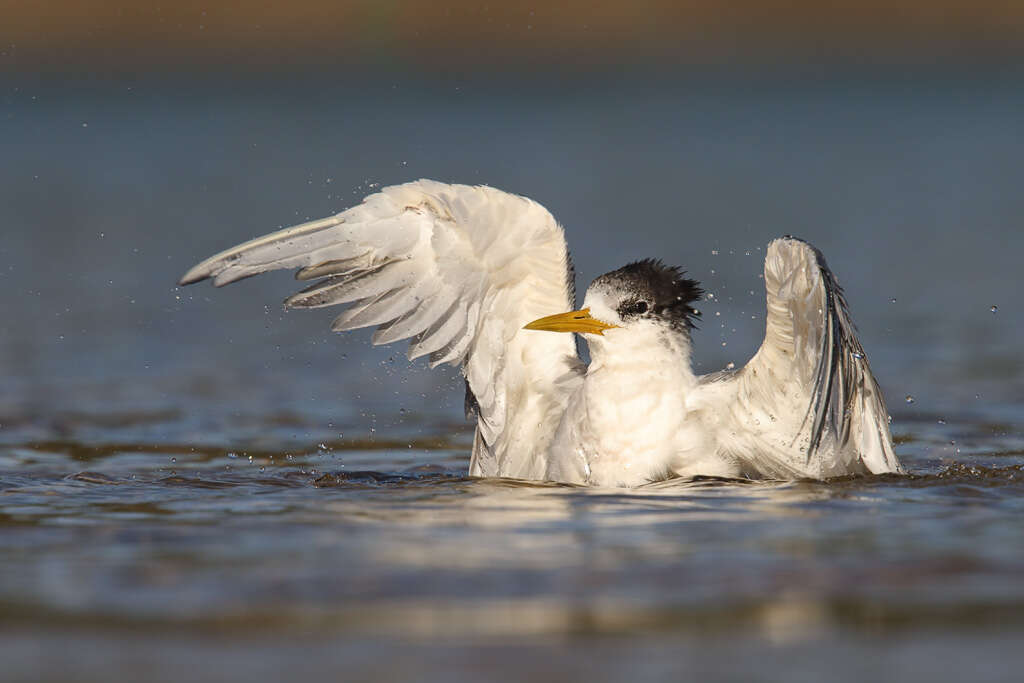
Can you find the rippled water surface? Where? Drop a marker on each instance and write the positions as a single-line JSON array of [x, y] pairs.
[[195, 485]]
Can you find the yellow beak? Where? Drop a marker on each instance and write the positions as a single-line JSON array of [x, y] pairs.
[[573, 321]]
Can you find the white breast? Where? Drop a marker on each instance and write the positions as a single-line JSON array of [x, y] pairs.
[[628, 423]]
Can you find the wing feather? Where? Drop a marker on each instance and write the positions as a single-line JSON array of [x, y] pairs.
[[449, 326], [367, 284], [342, 266], [812, 375], [427, 309], [456, 348], [456, 269]]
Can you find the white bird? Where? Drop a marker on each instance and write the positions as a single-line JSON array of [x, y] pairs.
[[473, 275]]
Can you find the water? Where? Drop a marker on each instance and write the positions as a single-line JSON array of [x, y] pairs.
[[194, 483]]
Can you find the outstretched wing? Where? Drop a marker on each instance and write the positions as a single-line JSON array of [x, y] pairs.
[[809, 386], [456, 269]]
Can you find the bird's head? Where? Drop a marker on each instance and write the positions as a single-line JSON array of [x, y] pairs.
[[643, 298]]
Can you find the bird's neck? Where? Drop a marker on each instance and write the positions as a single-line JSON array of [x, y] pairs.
[[656, 356], [639, 374]]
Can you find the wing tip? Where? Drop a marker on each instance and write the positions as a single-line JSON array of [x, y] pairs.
[[197, 273], [790, 242], [798, 243], [787, 255], [217, 267]]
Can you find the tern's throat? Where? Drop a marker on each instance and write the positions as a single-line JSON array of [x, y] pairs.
[[629, 360]]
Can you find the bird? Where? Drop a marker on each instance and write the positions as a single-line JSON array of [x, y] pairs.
[[482, 279]]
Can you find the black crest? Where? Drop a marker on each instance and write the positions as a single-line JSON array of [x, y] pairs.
[[653, 289]]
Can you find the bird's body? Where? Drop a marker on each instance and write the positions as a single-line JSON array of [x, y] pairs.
[[461, 270]]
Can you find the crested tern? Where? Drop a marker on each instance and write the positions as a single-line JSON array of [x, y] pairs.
[[482, 279]]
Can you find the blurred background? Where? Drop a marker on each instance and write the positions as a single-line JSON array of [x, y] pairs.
[[470, 37], [138, 138]]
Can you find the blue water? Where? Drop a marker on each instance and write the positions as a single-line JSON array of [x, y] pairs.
[[194, 483]]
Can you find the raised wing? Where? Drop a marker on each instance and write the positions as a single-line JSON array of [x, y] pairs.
[[810, 383], [458, 270]]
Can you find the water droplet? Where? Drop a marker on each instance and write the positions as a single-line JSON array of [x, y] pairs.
[[232, 455], [730, 365], [857, 354], [723, 343], [994, 308], [714, 252], [892, 300], [941, 421], [263, 469], [174, 460], [909, 399]]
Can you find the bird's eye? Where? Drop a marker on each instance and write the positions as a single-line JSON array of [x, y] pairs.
[[639, 308]]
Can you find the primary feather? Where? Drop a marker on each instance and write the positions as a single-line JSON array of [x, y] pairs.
[[807, 403]]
